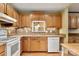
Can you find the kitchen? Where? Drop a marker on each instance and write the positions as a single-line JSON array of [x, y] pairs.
[[31, 29]]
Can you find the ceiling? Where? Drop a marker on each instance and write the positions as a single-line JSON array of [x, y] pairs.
[[74, 7], [24, 7]]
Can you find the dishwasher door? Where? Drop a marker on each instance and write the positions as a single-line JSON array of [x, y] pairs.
[[53, 44]]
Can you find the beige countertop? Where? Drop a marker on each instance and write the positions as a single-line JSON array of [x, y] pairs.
[[72, 47], [42, 34], [39, 35]]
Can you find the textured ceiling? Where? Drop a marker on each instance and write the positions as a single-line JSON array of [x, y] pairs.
[[23, 7]]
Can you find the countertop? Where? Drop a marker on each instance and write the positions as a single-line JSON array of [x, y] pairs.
[[73, 47], [39, 35]]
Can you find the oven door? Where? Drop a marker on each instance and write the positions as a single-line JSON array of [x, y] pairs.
[[13, 48]]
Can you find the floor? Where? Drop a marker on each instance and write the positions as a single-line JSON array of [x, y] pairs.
[[40, 54]]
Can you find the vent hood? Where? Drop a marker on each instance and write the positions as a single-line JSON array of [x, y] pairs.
[[6, 18]]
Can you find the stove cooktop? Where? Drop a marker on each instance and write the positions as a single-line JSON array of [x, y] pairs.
[[7, 39]]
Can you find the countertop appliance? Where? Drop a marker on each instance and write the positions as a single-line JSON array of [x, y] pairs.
[[53, 44], [12, 43]]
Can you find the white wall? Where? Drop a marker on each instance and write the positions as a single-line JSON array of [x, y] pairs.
[[64, 29]]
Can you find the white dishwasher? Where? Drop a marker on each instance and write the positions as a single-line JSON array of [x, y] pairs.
[[53, 44]]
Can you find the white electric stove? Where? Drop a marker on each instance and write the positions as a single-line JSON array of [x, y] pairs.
[[12, 43]]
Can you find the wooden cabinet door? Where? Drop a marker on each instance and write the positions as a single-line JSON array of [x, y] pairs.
[[48, 20], [25, 21], [71, 39], [2, 50], [2, 7], [53, 20], [72, 22], [19, 24], [2, 54], [9, 11], [43, 44], [58, 21], [38, 43], [37, 15], [21, 21], [77, 21], [35, 44], [25, 44], [17, 19]]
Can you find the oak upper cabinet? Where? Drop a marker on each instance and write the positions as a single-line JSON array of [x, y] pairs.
[[72, 22], [19, 21], [9, 10], [2, 7], [58, 21], [34, 44], [24, 18], [37, 15], [26, 22], [53, 20], [77, 21], [25, 45], [16, 16], [49, 20]]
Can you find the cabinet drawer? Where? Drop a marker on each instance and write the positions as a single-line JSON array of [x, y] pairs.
[[2, 48]]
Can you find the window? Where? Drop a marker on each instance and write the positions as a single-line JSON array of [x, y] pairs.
[[38, 26]]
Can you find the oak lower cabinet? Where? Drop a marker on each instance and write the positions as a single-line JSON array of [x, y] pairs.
[[34, 44], [25, 44], [2, 50], [73, 39], [38, 44], [43, 44]]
